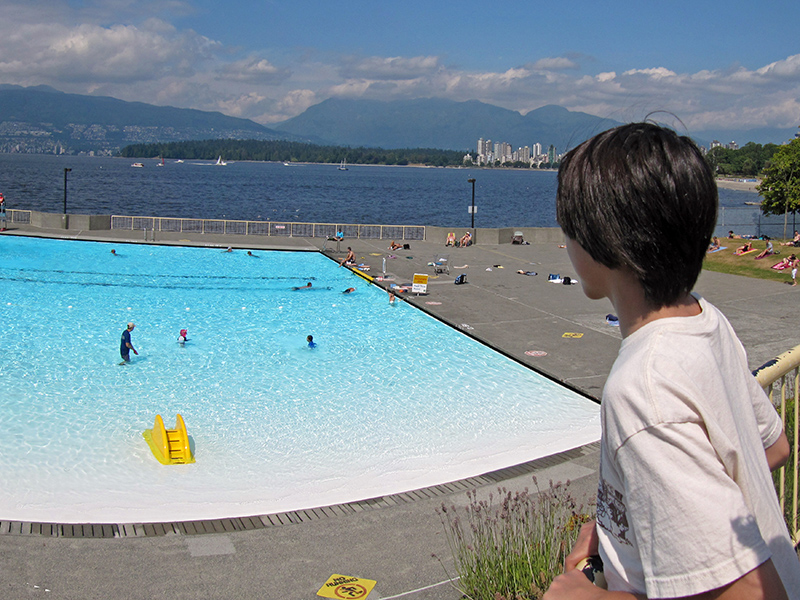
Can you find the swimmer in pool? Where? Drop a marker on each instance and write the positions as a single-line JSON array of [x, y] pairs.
[[183, 337], [114, 252], [311, 342], [229, 249], [349, 291], [303, 287]]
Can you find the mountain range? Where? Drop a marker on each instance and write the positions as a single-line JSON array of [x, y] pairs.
[[44, 120], [437, 123]]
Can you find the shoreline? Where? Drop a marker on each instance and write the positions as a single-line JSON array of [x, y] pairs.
[[738, 184]]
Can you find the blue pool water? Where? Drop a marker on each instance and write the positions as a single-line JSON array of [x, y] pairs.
[[390, 400]]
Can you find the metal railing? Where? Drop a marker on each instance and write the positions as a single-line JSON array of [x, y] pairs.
[[14, 215], [781, 377], [269, 228]]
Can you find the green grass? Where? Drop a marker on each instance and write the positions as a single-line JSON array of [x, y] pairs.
[[725, 261]]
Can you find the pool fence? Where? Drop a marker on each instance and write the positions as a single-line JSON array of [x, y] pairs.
[[151, 227], [741, 220]]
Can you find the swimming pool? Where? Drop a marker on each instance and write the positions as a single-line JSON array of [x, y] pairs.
[[390, 400]]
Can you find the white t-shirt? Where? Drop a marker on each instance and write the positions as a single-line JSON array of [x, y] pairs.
[[685, 500]]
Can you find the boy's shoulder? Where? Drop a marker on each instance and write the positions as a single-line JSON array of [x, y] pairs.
[[669, 368]]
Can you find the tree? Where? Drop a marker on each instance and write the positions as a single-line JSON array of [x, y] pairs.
[[780, 187]]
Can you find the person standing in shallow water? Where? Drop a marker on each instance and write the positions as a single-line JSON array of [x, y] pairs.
[[125, 345]]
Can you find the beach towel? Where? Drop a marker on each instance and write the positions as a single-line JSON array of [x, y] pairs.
[[748, 252], [765, 256], [717, 249]]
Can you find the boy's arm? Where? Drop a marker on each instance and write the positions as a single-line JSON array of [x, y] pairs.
[[778, 453], [762, 583]]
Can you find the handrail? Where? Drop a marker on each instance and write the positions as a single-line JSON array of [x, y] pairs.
[[269, 228], [782, 373]]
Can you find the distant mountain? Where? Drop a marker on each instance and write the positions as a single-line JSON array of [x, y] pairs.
[[41, 119], [437, 123]]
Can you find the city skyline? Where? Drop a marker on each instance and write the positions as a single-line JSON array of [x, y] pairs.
[[736, 68]]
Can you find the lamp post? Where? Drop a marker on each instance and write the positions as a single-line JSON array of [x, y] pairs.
[[65, 188], [472, 208]]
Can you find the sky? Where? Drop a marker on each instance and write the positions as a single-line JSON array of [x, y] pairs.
[[714, 65]]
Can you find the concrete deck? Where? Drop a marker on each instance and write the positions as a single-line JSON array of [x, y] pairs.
[[392, 539]]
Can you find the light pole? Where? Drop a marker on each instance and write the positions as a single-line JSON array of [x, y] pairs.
[[472, 208], [65, 188]]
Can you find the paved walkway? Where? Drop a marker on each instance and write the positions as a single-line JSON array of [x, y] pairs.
[[390, 540]]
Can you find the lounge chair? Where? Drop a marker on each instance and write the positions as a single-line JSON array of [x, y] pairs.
[[441, 263]]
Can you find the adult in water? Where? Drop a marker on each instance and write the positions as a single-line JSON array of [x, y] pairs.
[[125, 345], [303, 287], [349, 290], [311, 342]]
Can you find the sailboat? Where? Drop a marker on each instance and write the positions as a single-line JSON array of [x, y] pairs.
[[220, 162], [343, 166], [161, 164]]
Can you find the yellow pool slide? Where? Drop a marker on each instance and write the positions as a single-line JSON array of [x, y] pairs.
[[169, 446]]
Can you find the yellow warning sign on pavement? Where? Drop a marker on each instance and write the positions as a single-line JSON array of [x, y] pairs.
[[347, 588], [572, 335]]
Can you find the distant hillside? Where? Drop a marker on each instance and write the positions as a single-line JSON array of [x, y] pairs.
[[42, 119], [764, 135], [436, 123]]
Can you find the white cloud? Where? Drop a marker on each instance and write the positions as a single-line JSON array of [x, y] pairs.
[[655, 73], [90, 53], [555, 64], [391, 68], [148, 59], [254, 70]]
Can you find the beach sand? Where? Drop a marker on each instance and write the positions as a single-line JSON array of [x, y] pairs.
[[736, 184]]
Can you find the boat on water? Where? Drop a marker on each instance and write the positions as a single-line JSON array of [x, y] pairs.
[[343, 165], [161, 164], [179, 161], [220, 162], [138, 165]]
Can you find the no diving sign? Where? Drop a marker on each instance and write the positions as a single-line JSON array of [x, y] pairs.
[[346, 588]]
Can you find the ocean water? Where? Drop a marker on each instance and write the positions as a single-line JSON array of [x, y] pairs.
[[303, 193], [390, 399]]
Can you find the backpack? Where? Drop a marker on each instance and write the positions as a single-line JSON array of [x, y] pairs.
[[461, 279], [553, 276], [566, 280]]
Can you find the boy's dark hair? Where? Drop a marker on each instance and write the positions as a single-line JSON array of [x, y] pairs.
[[640, 197]]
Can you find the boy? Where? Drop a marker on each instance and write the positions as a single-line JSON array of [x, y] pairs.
[[685, 504]]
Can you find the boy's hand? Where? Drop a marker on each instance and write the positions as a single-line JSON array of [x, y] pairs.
[[573, 585], [586, 545]]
